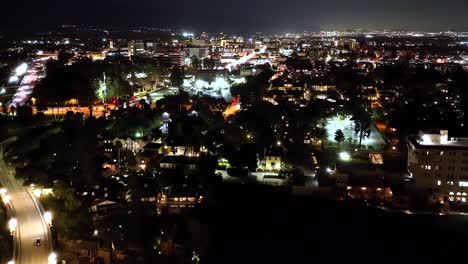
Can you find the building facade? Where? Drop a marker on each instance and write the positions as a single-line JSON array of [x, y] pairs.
[[438, 164], [169, 58]]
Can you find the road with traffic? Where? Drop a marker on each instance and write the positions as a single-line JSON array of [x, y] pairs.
[[31, 224]]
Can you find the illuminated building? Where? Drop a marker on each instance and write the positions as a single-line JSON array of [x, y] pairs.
[[97, 56], [198, 52], [439, 164], [198, 42], [169, 58], [131, 48], [139, 47], [272, 160], [179, 199]]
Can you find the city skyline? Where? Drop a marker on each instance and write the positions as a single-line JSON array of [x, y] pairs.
[[242, 16]]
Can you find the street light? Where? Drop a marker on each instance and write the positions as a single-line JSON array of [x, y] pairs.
[[6, 199], [48, 218], [37, 193], [52, 259], [345, 156], [12, 225]]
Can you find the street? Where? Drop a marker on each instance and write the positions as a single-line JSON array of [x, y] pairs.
[[31, 224]]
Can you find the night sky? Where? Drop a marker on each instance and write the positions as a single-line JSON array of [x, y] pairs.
[[242, 15]]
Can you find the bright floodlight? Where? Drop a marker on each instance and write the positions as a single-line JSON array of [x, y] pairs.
[[52, 259], [37, 193], [12, 225], [48, 218], [3, 191], [345, 156], [20, 70], [13, 79], [329, 170], [427, 139], [6, 199]]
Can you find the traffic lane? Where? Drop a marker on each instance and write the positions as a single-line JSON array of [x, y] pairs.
[[31, 227], [30, 224]]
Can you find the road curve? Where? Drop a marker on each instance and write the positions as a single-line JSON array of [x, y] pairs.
[[31, 224]]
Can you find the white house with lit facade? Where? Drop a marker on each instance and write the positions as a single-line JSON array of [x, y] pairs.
[[438, 164]]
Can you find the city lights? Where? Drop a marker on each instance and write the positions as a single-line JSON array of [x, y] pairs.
[[52, 259], [6, 199], [12, 224], [21, 69], [37, 193], [137, 124], [48, 218]]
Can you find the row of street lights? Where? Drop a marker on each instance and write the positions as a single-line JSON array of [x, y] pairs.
[[13, 223]]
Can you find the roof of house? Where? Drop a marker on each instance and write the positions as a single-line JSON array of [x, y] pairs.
[[152, 145], [183, 191], [103, 202], [178, 159], [274, 177], [274, 151]]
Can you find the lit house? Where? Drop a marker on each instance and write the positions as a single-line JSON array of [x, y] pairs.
[[272, 160], [178, 162], [179, 199], [439, 164]]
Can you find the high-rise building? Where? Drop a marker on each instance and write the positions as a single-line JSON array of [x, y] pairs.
[[139, 46], [131, 48], [169, 58], [438, 164]]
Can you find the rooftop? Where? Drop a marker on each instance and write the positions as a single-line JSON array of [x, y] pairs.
[[440, 139]]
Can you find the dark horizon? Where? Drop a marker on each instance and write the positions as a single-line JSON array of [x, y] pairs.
[[242, 15]]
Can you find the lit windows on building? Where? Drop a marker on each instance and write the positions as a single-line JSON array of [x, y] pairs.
[[463, 183]]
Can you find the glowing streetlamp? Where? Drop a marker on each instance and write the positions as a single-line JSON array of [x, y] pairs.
[[48, 218], [345, 156], [37, 193], [6, 199], [12, 225], [52, 259]]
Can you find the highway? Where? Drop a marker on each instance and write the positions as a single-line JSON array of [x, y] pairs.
[[30, 221]]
